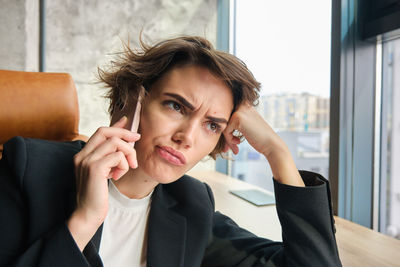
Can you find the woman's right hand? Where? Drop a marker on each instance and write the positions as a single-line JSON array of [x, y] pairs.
[[107, 154]]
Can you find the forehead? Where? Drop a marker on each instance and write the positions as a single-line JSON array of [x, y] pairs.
[[197, 85]]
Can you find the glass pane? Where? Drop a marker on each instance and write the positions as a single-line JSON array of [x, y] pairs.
[[390, 175], [286, 44]]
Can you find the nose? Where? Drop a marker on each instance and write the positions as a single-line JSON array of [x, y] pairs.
[[186, 134]]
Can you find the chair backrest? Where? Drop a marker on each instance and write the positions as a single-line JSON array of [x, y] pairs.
[[38, 105]]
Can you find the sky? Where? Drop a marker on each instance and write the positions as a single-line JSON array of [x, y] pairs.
[[286, 44]]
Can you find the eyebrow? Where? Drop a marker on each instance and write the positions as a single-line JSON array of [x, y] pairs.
[[182, 100], [219, 120], [187, 104]]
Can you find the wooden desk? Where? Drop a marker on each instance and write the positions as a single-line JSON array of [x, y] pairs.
[[358, 246]]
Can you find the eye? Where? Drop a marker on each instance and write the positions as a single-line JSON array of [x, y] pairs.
[[214, 127], [173, 105]]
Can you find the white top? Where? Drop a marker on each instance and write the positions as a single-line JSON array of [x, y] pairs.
[[124, 237]]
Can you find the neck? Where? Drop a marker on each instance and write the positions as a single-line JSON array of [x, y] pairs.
[[135, 184]]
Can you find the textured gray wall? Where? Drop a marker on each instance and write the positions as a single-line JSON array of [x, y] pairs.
[[19, 31], [82, 35]]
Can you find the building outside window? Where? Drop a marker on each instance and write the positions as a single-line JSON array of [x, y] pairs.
[[289, 53], [390, 140]]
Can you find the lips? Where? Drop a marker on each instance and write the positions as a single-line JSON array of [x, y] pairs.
[[171, 155]]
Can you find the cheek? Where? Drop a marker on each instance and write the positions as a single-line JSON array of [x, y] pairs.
[[205, 145], [150, 122], [148, 132], [154, 129]]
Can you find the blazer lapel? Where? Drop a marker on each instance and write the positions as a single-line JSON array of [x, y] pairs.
[[166, 231]]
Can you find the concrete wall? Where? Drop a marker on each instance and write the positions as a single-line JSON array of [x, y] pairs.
[[19, 31], [82, 35]]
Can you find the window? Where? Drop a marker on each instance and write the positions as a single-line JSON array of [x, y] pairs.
[[390, 140], [289, 53]]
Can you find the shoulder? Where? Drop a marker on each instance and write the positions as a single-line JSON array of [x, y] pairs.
[[19, 147], [38, 176], [20, 144], [27, 156]]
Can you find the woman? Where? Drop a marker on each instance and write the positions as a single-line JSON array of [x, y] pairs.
[[59, 207]]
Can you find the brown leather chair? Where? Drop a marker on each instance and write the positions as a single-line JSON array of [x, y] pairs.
[[38, 105]]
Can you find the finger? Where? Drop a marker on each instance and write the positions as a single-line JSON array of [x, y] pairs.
[[226, 148], [231, 142], [234, 148], [116, 174], [235, 140], [104, 133], [230, 138], [112, 145], [233, 124], [115, 165]]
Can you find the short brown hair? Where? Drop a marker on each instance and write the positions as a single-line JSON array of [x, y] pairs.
[[144, 66]]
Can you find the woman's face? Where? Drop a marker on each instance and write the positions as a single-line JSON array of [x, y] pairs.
[[181, 122]]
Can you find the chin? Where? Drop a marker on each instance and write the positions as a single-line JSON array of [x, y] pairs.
[[164, 176]]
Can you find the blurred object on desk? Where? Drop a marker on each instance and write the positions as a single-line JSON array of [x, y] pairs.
[[255, 196]]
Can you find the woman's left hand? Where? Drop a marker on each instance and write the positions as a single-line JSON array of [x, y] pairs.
[[254, 128], [262, 138]]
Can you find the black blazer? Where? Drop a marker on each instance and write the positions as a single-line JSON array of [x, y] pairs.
[[37, 196]]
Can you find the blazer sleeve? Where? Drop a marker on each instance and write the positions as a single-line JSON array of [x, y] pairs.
[[308, 231], [55, 247]]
